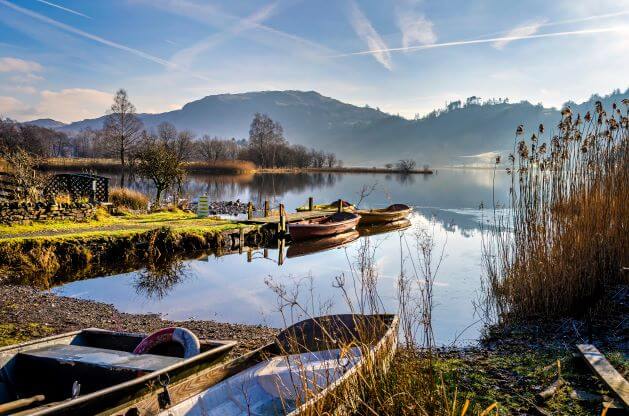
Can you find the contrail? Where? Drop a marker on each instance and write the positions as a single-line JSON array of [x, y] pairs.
[[64, 8], [98, 39], [490, 40]]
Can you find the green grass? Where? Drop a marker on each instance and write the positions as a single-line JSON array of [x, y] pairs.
[[104, 225], [11, 334]]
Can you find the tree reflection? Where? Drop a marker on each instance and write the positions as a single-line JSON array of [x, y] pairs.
[[160, 277]]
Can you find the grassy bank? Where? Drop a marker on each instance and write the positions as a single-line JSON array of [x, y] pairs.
[[45, 254], [226, 167]]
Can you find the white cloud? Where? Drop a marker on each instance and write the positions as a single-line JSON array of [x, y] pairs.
[[20, 89], [9, 64], [368, 34], [73, 104], [10, 106], [516, 33], [415, 26]]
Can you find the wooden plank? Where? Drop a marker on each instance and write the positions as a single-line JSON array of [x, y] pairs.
[[605, 371]]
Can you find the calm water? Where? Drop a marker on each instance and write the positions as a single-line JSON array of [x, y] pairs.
[[232, 289]]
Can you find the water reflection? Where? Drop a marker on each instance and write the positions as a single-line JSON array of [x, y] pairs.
[[446, 204], [160, 277]]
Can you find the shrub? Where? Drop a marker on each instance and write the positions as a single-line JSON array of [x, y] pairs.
[[128, 198]]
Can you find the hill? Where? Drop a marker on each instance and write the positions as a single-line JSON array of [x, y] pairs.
[[363, 135]]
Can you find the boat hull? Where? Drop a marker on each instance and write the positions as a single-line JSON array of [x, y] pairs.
[[93, 376], [392, 213], [334, 224], [316, 245], [376, 335]]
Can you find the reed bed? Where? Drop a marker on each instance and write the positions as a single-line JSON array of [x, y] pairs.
[[128, 198], [565, 240], [230, 167]]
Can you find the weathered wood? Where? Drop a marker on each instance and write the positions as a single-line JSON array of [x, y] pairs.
[[310, 204], [549, 392], [340, 205], [249, 211], [605, 371], [266, 207], [282, 219], [18, 404]]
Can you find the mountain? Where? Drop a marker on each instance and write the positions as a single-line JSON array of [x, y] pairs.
[[46, 123], [362, 135]]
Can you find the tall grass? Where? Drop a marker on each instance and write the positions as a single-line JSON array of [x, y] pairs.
[[128, 198], [565, 238]]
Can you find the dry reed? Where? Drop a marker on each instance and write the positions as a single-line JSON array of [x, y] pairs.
[[565, 238], [128, 198]]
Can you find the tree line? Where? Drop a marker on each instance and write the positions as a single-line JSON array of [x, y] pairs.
[[123, 133]]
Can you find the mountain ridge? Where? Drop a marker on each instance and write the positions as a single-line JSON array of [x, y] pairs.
[[363, 135]]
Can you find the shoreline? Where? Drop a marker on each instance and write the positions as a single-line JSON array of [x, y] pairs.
[[234, 167], [510, 366], [27, 313]]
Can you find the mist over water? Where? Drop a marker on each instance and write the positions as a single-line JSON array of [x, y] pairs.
[[233, 289]]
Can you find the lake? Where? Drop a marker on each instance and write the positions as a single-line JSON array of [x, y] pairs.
[[447, 206]]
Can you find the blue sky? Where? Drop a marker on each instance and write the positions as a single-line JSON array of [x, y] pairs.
[[64, 59]]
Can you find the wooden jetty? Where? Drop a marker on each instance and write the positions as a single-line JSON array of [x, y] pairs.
[[281, 218]]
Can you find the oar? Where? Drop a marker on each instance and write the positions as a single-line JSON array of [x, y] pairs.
[[17, 404]]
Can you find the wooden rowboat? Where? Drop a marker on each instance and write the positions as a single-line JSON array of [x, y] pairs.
[[331, 207], [393, 212], [88, 371], [337, 223], [313, 367], [383, 228], [317, 245]]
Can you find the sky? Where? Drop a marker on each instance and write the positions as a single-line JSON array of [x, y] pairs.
[[64, 59]]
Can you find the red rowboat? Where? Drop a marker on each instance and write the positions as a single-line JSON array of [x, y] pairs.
[[320, 227]]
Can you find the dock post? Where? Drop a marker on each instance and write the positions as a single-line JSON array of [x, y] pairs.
[[266, 208], [266, 253], [280, 247], [340, 205], [249, 255], [241, 240], [249, 211], [310, 204], [282, 219]]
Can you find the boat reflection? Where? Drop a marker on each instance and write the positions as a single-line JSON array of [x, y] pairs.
[[306, 247], [375, 229]]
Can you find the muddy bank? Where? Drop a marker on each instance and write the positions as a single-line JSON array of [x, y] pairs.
[[26, 313]]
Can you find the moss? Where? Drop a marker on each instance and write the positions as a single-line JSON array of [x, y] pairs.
[[13, 334]]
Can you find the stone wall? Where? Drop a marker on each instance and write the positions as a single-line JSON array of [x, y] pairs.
[[20, 213]]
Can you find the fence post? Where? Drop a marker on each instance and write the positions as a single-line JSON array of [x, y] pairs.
[[266, 208], [249, 211], [310, 203]]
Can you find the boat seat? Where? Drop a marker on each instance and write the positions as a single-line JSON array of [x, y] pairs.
[[100, 357], [58, 366]]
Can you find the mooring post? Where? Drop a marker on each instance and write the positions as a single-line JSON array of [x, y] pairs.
[[310, 203], [249, 255], [340, 205], [266, 208], [280, 247], [266, 253], [249, 211], [282, 219], [241, 240]]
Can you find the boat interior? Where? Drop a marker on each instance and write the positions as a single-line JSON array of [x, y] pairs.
[[82, 362]]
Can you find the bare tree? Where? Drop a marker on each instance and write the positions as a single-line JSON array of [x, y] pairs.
[[122, 128], [406, 165], [330, 160], [266, 137]]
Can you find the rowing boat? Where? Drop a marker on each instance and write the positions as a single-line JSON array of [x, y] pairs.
[[88, 371], [313, 367], [393, 212], [337, 223], [317, 245]]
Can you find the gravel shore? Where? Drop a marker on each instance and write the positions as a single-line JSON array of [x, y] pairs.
[[26, 313]]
